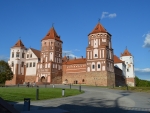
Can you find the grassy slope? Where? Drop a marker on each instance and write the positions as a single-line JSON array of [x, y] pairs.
[[136, 89], [18, 94]]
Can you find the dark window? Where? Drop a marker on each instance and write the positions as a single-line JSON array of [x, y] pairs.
[[98, 65], [93, 66], [127, 70], [17, 54], [95, 55], [22, 64], [27, 65], [12, 54], [30, 55], [33, 64], [12, 64], [30, 64], [22, 55]]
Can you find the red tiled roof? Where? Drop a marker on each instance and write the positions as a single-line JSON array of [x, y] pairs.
[[52, 35], [36, 52], [19, 44], [117, 60], [99, 28], [75, 61], [126, 53]]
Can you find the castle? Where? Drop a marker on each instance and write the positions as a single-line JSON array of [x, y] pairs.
[[100, 67]]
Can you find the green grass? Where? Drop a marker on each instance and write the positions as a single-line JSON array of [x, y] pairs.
[[136, 89], [18, 94]]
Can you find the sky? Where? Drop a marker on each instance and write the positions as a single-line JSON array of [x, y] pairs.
[[126, 20]]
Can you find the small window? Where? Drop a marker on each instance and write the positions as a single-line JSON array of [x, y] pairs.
[[33, 64], [22, 55], [22, 64], [95, 55], [93, 67], [12, 64], [12, 54], [127, 70], [27, 55], [30, 55], [30, 64], [98, 65], [17, 54], [26, 64]]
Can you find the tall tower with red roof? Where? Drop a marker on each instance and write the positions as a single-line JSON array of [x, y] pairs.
[[99, 54], [127, 57], [50, 67]]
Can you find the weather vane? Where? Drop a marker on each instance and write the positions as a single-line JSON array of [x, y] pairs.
[[52, 24], [99, 20]]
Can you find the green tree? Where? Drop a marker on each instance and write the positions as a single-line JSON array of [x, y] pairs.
[[5, 72]]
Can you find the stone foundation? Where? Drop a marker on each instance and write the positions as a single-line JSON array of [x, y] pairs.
[[130, 82]]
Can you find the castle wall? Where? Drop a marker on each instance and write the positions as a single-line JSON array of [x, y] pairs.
[[119, 78], [90, 78]]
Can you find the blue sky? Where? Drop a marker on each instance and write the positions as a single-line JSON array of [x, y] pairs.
[[126, 20]]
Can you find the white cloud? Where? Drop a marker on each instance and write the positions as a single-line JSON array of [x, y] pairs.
[[147, 40], [2, 57], [145, 70], [69, 53], [108, 15]]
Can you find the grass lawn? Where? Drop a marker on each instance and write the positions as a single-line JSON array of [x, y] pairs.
[[136, 89], [18, 94]]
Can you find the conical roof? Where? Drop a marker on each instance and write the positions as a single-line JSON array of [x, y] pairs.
[[126, 53], [52, 35], [19, 44], [99, 29], [117, 60]]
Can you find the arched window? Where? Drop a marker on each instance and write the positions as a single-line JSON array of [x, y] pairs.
[[93, 66], [98, 65]]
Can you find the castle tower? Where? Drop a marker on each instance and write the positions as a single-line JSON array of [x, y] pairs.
[[128, 58], [50, 67], [17, 63], [99, 54]]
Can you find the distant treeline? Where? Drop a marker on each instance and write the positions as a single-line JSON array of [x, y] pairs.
[[141, 83]]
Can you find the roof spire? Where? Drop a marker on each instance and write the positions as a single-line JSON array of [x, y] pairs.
[[126, 47], [52, 24], [99, 20]]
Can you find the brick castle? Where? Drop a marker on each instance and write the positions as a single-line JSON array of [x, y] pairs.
[[100, 67]]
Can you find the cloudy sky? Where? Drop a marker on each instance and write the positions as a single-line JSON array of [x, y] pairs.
[[126, 20]]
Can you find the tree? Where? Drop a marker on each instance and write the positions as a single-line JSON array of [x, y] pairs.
[[5, 72]]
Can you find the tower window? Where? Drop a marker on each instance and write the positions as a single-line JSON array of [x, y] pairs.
[[22, 64], [95, 55], [30, 55], [22, 55], [98, 65], [12, 54], [17, 54], [12, 64], [33, 64], [30, 64], [127, 70], [93, 66]]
